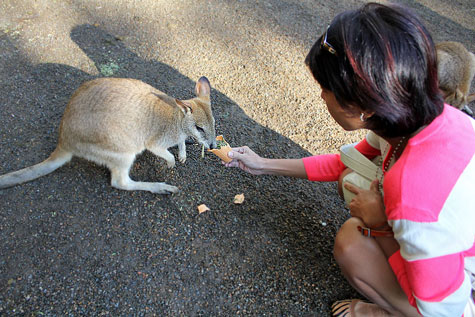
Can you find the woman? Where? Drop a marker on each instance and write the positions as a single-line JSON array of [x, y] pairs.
[[376, 67]]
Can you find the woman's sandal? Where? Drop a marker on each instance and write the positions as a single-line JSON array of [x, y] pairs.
[[344, 308], [347, 308]]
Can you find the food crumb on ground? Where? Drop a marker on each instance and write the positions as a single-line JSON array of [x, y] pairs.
[[239, 199], [203, 208]]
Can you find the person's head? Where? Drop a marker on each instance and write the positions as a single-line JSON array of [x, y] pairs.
[[380, 61]]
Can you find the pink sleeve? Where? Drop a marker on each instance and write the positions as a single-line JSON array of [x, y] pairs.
[[323, 168], [328, 167], [367, 150]]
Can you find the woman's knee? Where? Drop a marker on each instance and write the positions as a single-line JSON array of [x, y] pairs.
[[348, 242]]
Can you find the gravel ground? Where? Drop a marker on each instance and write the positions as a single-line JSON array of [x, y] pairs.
[[72, 245]]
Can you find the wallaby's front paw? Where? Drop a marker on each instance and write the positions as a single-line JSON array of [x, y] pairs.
[[182, 159], [171, 164]]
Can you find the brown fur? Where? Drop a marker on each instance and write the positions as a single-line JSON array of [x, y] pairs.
[[456, 69], [111, 120]]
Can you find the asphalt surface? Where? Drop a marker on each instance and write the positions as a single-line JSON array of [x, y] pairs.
[[70, 244]]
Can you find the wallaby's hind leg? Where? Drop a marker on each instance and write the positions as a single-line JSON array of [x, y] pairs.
[[120, 179]]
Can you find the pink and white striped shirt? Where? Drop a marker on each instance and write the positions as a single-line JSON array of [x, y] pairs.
[[429, 195]]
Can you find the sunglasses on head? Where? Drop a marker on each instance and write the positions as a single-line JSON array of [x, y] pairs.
[[327, 45]]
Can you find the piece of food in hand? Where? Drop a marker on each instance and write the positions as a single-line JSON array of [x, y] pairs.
[[222, 149]]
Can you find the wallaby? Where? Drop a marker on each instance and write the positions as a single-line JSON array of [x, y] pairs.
[[456, 69], [111, 120]]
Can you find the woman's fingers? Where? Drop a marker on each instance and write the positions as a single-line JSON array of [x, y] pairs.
[[352, 188], [233, 163], [356, 190], [237, 152]]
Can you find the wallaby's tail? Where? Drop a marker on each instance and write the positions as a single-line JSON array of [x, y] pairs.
[[57, 159]]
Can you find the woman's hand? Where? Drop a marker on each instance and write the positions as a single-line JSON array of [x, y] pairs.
[[244, 158], [367, 205]]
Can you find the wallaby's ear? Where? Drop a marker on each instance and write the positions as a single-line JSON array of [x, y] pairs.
[[203, 87], [184, 106]]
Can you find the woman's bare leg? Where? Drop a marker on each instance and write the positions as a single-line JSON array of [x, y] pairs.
[[364, 264]]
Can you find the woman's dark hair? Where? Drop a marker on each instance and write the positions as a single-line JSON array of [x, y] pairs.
[[384, 61]]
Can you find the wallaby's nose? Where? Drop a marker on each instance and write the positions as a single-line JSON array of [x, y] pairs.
[[212, 145]]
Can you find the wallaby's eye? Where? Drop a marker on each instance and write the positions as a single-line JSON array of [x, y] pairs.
[[200, 129]]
